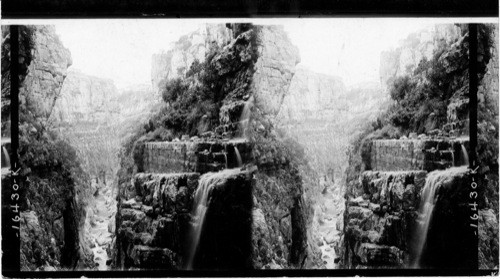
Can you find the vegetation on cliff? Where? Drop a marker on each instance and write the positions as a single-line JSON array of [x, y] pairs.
[[50, 213], [433, 101], [208, 102]]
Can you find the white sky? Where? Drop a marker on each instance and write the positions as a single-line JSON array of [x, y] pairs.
[[121, 49]]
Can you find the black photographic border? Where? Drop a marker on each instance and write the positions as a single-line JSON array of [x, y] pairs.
[[245, 8]]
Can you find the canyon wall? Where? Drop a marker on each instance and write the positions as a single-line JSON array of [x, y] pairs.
[[95, 117], [388, 178], [416, 47], [55, 191], [85, 98], [85, 115], [181, 54], [268, 232]]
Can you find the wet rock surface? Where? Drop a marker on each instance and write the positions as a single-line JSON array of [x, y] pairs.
[[382, 217], [416, 154], [157, 218], [101, 230]]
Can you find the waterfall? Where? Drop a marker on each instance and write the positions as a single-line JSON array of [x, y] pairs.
[[200, 209], [427, 203], [200, 206], [245, 117], [238, 156], [465, 156], [428, 200], [225, 157]]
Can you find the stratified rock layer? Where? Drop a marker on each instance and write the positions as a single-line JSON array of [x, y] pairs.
[[153, 226], [432, 154], [46, 73]]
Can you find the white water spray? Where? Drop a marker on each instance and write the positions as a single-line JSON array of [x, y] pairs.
[[427, 203], [238, 157], [245, 117], [465, 156], [200, 206], [200, 210]]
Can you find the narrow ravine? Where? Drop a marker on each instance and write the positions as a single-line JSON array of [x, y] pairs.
[[327, 213], [104, 211]]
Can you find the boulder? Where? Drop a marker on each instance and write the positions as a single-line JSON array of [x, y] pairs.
[[153, 257], [373, 254]]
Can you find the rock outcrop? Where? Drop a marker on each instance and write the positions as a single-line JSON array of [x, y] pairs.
[[52, 211], [312, 95], [85, 98], [412, 184], [195, 46], [274, 68], [46, 73], [244, 226], [383, 215], [415, 48]]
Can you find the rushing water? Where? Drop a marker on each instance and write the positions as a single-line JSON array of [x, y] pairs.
[[200, 206], [200, 209], [238, 156], [100, 236], [245, 116], [465, 156], [428, 201]]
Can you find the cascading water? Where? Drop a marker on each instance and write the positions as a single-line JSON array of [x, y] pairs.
[[427, 203], [465, 156], [245, 117], [200, 206], [200, 209], [238, 157]]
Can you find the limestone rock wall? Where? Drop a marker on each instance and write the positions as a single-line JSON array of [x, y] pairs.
[[253, 66], [194, 46], [53, 210], [488, 87], [201, 157], [391, 155], [313, 95], [85, 98], [153, 227], [274, 68], [46, 73], [417, 46], [380, 224]]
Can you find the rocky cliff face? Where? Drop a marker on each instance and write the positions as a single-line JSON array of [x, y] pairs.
[[43, 67], [194, 46], [266, 233], [53, 211], [85, 98], [416, 47], [388, 196], [274, 68], [85, 115], [324, 116], [46, 73], [312, 95]]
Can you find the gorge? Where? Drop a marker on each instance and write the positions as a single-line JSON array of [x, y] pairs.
[[237, 157]]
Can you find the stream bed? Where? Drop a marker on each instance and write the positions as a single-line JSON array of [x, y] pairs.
[[100, 231]]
